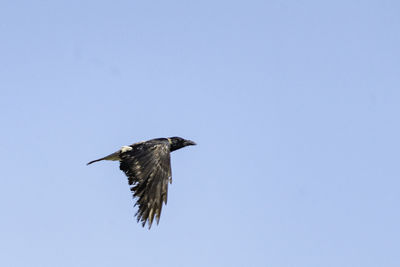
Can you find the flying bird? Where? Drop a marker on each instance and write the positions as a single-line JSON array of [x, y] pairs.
[[148, 168]]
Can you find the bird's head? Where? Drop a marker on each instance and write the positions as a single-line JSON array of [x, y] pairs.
[[178, 142]]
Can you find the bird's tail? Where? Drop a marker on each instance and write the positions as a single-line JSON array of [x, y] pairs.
[[93, 161], [113, 156]]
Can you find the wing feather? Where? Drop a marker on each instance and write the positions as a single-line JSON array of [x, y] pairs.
[[148, 169]]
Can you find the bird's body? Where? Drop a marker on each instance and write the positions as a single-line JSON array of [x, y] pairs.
[[148, 168]]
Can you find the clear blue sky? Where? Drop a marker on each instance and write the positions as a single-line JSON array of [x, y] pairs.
[[294, 105]]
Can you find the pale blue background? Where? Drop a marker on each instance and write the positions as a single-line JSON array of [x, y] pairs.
[[295, 106]]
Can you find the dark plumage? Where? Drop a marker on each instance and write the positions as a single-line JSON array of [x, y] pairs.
[[148, 168]]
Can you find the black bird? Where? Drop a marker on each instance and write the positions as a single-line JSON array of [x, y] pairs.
[[148, 167]]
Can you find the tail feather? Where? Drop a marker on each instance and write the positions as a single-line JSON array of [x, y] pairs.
[[93, 161], [113, 156]]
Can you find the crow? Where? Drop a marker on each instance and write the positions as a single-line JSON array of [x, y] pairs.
[[148, 168]]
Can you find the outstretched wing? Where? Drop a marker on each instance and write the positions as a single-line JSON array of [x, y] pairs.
[[148, 169]]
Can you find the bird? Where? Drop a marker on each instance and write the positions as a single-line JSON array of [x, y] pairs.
[[147, 166]]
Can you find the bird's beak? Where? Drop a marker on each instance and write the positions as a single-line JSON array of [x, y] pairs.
[[189, 143]]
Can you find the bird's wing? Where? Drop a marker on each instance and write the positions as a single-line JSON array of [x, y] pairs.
[[148, 169]]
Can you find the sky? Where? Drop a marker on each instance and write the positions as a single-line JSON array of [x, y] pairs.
[[294, 106]]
